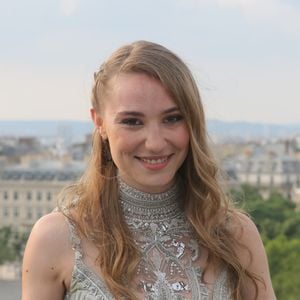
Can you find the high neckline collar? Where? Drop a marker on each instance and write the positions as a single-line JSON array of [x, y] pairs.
[[150, 206]]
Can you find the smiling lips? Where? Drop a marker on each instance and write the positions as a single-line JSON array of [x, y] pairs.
[[155, 163]]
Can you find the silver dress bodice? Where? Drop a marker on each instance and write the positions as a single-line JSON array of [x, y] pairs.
[[169, 268]]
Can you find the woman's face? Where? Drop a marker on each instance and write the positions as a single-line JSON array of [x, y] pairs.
[[148, 137]]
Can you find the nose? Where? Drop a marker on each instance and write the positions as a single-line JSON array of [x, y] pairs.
[[155, 139]]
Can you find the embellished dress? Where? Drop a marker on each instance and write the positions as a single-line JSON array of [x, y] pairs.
[[169, 265]]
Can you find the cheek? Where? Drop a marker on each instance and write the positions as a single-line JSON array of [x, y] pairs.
[[121, 144], [182, 138]]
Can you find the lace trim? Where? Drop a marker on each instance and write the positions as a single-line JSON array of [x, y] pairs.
[[169, 266], [74, 239], [83, 278], [220, 288]]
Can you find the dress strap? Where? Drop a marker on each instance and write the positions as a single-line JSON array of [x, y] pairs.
[[74, 239]]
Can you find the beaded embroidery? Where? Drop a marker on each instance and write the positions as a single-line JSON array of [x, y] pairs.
[[169, 267]]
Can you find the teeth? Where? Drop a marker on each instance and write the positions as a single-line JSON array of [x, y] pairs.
[[154, 161]]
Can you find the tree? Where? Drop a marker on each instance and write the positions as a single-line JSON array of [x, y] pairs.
[[269, 215], [284, 261], [6, 250], [291, 227], [12, 244], [279, 225]]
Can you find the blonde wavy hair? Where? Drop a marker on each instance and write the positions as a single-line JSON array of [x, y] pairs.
[[207, 207]]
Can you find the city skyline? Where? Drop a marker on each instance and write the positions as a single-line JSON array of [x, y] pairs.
[[245, 54]]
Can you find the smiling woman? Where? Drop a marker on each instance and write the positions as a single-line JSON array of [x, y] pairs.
[[149, 219], [147, 135]]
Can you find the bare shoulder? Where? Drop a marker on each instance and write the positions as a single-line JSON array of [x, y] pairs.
[[252, 255], [50, 235], [47, 261], [245, 229]]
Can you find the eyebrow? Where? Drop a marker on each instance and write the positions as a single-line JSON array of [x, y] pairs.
[[140, 114]]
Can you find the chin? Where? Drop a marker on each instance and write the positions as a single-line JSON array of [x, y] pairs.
[[158, 184]]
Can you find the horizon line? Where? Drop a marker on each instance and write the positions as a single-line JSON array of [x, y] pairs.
[[208, 120]]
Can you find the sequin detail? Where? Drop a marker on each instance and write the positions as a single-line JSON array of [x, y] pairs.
[[169, 266]]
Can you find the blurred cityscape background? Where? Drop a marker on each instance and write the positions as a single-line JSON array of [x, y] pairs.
[[261, 164], [245, 56]]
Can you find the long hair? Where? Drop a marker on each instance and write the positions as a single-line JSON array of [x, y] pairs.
[[206, 205]]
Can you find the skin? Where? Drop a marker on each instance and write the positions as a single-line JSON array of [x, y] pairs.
[[246, 232], [48, 260], [148, 137], [140, 143]]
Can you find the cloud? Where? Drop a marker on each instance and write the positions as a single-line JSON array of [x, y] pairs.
[[68, 7]]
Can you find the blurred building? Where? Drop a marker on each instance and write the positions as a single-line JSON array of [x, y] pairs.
[[269, 167], [28, 192]]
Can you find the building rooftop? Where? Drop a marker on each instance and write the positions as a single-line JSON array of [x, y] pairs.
[[267, 164], [44, 171]]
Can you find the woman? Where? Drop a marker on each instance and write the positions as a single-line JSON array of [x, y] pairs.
[[148, 220]]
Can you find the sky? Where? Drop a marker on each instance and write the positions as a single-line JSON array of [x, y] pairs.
[[245, 54]]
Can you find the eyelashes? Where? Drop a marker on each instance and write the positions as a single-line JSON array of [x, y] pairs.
[[131, 122], [173, 119], [135, 122]]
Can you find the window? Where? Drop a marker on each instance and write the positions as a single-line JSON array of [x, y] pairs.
[[29, 195], [29, 213], [16, 195], [5, 212], [49, 196], [39, 213], [39, 196], [5, 195], [16, 211]]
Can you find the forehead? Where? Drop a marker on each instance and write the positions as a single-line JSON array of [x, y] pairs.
[[138, 91]]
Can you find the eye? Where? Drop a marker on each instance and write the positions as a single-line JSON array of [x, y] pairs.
[[131, 122], [173, 119]]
